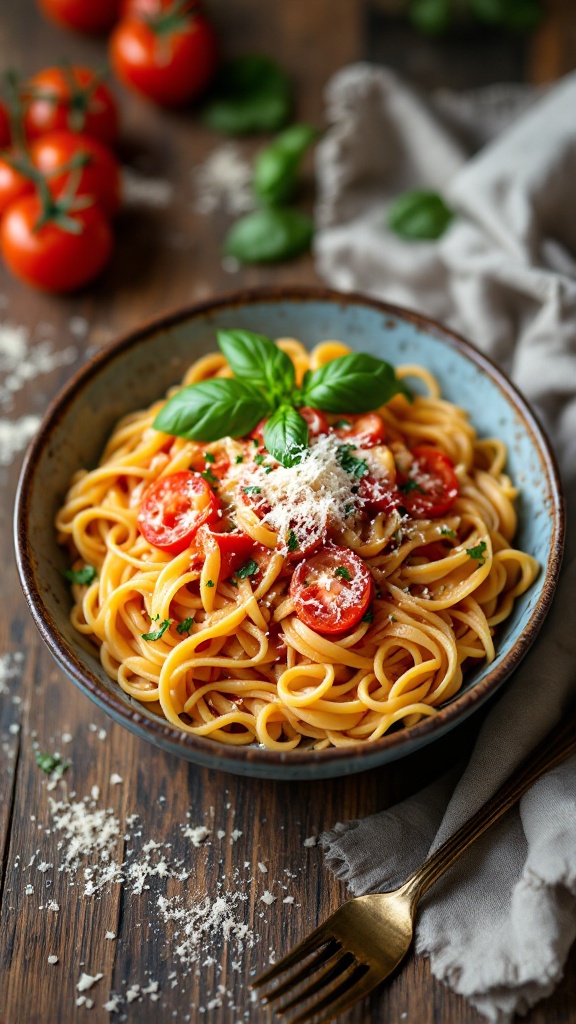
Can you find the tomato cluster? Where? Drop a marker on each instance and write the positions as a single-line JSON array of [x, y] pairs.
[[165, 50], [59, 179]]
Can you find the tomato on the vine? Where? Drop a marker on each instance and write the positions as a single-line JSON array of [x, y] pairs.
[[57, 255], [331, 591], [169, 56], [430, 488], [174, 507], [70, 99], [91, 16], [98, 174]]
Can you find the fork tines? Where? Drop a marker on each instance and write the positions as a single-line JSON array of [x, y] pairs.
[[334, 974]]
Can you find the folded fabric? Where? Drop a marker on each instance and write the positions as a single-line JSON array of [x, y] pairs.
[[499, 925]]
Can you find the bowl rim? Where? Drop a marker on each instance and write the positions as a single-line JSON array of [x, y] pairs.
[[160, 731]]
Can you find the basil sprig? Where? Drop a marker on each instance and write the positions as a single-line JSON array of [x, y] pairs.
[[265, 388]]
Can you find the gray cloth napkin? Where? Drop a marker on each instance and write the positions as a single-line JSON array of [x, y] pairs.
[[499, 925]]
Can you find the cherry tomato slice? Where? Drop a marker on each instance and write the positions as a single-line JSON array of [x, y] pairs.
[[378, 496], [364, 431], [332, 590], [235, 549], [431, 487], [173, 508], [316, 420]]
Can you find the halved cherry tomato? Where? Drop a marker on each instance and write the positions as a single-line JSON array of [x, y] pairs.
[[332, 590], [169, 56], [316, 420], [13, 184], [365, 431], [70, 99], [92, 16], [235, 549], [99, 176], [431, 487], [50, 256], [251, 496], [5, 130], [378, 496], [173, 508]]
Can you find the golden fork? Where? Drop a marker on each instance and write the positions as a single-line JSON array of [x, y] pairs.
[[363, 941]]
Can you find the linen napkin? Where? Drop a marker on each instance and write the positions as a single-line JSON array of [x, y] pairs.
[[499, 925]]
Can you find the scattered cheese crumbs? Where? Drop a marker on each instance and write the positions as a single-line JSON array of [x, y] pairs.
[[152, 987], [268, 898], [52, 959], [288, 899], [115, 779], [10, 667], [55, 907], [133, 993], [66, 737], [44, 866], [78, 326], [138, 190], [220, 833], [22, 358], [95, 792], [235, 834], [29, 890], [110, 935], [224, 181], [262, 868], [14, 729], [197, 835], [84, 1001], [85, 981], [112, 1004], [207, 918], [311, 841], [102, 734], [15, 435]]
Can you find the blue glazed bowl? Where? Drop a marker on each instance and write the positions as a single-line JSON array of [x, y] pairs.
[[138, 369]]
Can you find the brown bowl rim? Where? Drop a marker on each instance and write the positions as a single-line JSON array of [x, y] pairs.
[[162, 733]]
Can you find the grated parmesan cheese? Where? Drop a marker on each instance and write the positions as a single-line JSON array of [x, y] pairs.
[[85, 981]]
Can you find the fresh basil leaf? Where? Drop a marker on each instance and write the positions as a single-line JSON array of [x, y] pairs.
[[84, 576], [250, 94], [419, 215], [256, 359], [286, 435], [431, 16], [276, 167], [211, 409], [268, 235], [353, 383]]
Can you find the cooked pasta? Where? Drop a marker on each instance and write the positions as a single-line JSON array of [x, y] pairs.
[[314, 605]]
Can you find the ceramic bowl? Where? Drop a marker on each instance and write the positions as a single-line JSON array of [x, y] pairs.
[[138, 369]]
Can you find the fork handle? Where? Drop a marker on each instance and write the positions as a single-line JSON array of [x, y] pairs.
[[556, 746]]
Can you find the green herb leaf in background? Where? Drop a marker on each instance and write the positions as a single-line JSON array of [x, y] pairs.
[[516, 15], [286, 435], [354, 383], [84, 576], [276, 167], [274, 233], [156, 634], [211, 409], [50, 763], [419, 215], [431, 16], [255, 358], [250, 94]]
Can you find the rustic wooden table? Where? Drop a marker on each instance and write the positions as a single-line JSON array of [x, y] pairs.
[[168, 254]]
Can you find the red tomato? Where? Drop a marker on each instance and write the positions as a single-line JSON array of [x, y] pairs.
[[5, 131], [74, 99], [52, 257], [92, 16], [173, 508], [235, 549], [332, 590], [378, 496], [99, 177], [250, 495], [13, 184], [364, 431], [431, 486], [169, 57], [316, 420]]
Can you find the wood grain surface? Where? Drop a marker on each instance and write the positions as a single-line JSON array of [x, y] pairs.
[[164, 257]]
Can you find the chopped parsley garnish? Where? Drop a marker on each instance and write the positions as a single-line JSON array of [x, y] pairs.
[[185, 626], [477, 552], [343, 424], [343, 572], [393, 618], [411, 485], [83, 576], [268, 469], [259, 459], [350, 464], [293, 543], [239, 459], [248, 569], [448, 533], [368, 617], [50, 763], [157, 633], [209, 583], [209, 476], [209, 457], [256, 442], [251, 490]]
